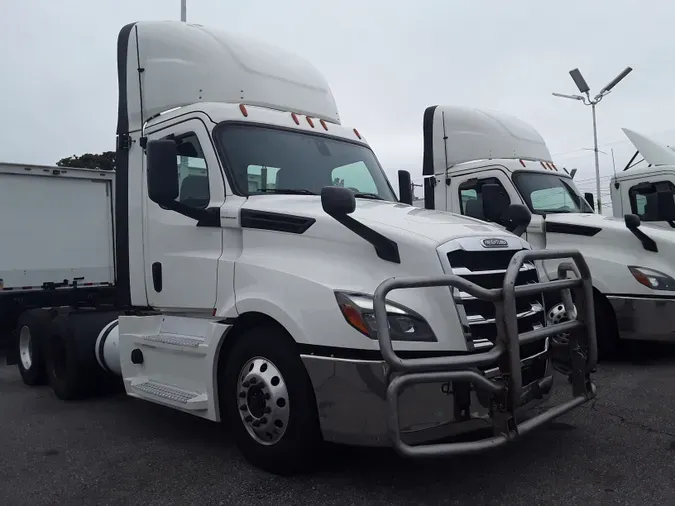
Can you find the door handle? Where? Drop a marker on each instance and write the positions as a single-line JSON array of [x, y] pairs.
[[157, 276]]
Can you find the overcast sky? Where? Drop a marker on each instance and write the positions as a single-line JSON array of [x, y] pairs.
[[386, 61]]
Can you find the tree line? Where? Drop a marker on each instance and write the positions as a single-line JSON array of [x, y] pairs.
[[97, 161]]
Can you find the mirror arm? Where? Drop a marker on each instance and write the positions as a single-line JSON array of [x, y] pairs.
[[647, 242], [209, 217]]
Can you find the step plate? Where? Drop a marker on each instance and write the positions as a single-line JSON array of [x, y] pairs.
[[166, 392]]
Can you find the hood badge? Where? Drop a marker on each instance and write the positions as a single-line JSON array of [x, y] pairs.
[[494, 242]]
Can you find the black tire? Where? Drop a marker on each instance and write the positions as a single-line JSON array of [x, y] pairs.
[[605, 327], [32, 330], [64, 375], [300, 444], [72, 368]]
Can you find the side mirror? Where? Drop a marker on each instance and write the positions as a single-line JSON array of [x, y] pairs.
[[518, 217], [405, 187], [337, 201], [632, 221], [495, 202], [665, 202], [590, 200], [162, 171]]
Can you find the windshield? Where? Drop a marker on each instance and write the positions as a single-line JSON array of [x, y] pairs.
[[550, 193], [266, 160]]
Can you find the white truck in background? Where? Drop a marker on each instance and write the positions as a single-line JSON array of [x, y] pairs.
[[648, 192], [481, 163], [267, 276]]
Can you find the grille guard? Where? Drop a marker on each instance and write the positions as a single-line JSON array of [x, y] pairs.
[[507, 392]]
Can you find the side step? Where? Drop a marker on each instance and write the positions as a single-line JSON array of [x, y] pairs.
[[161, 392]]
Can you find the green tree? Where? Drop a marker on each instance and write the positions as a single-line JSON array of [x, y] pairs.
[[101, 161]]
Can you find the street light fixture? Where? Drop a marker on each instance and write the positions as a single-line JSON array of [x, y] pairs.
[[586, 99]]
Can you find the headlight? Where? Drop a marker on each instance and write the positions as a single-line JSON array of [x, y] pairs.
[[404, 323], [652, 279]]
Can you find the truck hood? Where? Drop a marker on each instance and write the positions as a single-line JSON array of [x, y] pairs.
[[393, 219], [606, 223], [613, 231]]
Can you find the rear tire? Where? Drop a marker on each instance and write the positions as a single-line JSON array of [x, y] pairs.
[[72, 368], [31, 333], [267, 399], [63, 372]]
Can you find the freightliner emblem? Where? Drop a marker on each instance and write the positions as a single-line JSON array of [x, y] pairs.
[[494, 242]]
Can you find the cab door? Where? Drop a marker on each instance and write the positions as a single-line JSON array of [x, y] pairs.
[[181, 257]]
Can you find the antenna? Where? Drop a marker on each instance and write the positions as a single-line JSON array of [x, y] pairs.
[[183, 10]]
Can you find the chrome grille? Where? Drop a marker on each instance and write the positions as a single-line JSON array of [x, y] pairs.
[[487, 269]]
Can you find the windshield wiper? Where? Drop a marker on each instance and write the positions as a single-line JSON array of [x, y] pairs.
[[373, 196], [286, 191]]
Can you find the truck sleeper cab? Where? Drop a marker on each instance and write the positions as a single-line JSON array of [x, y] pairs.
[[268, 277], [479, 163]]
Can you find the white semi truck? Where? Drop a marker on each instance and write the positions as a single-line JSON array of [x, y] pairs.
[[480, 163], [267, 276], [636, 190]]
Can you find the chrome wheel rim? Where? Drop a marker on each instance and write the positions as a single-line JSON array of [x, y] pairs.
[[262, 399], [25, 354], [558, 314]]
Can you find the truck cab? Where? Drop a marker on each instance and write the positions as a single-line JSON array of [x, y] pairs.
[[267, 275], [481, 163], [648, 192]]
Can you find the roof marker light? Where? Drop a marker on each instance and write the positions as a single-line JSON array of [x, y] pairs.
[[357, 133], [295, 118], [309, 120], [243, 110], [323, 124]]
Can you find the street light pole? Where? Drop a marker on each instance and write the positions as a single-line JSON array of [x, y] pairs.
[[183, 10], [597, 162], [586, 99]]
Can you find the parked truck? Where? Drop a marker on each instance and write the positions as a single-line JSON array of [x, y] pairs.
[[636, 190], [480, 163], [267, 276]]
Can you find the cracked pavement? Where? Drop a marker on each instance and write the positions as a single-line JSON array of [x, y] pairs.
[[620, 449]]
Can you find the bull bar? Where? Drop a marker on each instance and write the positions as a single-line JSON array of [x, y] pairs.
[[507, 392]]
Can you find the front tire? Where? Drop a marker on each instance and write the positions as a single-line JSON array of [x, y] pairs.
[[268, 401], [605, 325]]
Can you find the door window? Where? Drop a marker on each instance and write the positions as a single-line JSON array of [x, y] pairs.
[[642, 199], [471, 196], [193, 177]]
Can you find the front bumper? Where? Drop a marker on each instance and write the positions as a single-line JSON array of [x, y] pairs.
[[642, 318], [353, 407], [413, 404]]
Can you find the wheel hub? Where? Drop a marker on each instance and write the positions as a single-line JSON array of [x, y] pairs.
[[262, 398], [25, 353], [558, 314]]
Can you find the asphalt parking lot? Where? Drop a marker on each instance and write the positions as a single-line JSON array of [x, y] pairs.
[[118, 450]]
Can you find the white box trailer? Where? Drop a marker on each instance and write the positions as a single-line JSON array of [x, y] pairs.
[[56, 238]]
